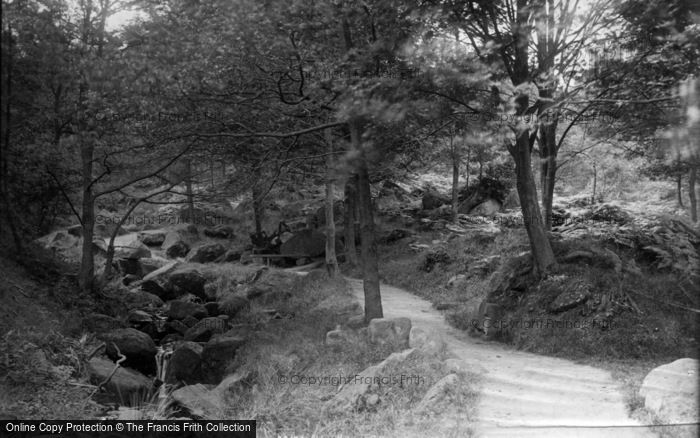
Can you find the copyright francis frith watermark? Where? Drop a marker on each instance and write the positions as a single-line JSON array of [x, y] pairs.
[[401, 380], [542, 324]]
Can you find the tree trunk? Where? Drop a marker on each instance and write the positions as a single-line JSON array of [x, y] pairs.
[[87, 263], [679, 190], [5, 145], [370, 267], [548, 164], [350, 210], [211, 173], [331, 259], [107, 273], [527, 191], [190, 195], [455, 186], [595, 182], [692, 177], [469, 153], [257, 200]]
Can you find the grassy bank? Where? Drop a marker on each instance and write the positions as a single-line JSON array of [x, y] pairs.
[[287, 353]]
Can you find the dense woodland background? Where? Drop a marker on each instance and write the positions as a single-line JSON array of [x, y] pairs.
[[561, 94], [540, 156]]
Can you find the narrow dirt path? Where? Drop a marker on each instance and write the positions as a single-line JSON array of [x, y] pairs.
[[523, 394]]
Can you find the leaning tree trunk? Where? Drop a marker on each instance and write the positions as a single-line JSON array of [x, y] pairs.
[[350, 208], [370, 266], [527, 192], [679, 189], [107, 273], [331, 259], [692, 177]]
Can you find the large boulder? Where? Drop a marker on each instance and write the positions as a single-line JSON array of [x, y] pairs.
[[161, 273], [137, 346], [219, 232], [126, 384], [139, 317], [180, 309], [394, 331], [139, 299], [152, 287], [185, 363], [152, 237], [309, 243], [186, 280], [133, 249], [487, 208], [484, 189], [205, 329], [671, 393], [177, 243], [206, 253], [216, 355], [177, 249]]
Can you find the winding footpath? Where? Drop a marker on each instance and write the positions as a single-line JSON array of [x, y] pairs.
[[524, 394]]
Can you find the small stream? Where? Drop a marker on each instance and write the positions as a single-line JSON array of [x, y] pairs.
[[162, 362]]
